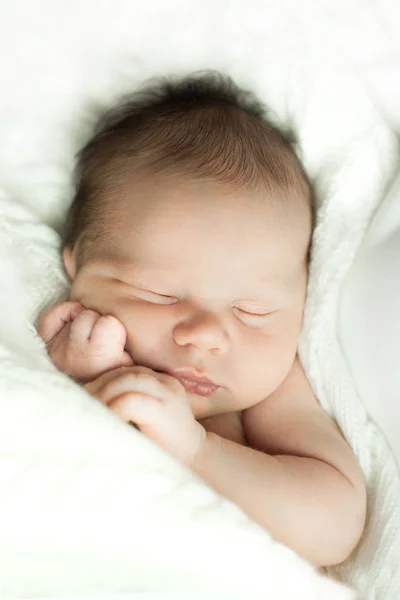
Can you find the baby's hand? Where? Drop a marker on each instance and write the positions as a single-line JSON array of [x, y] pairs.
[[157, 404], [83, 343]]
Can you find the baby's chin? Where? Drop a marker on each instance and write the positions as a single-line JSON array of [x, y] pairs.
[[210, 406], [201, 407]]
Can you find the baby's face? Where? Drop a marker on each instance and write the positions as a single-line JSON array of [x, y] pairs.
[[204, 277]]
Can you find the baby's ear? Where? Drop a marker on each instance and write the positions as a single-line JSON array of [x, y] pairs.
[[69, 262]]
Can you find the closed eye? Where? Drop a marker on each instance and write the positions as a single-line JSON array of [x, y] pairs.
[[154, 296], [159, 295], [146, 294], [253, 313]]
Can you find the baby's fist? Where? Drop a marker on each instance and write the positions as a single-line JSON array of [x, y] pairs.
[[83, 343]]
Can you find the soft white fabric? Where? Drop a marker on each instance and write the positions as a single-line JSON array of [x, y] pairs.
[[369, 319], [87, 505]]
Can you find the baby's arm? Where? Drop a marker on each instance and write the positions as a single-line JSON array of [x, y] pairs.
[[83, 343], [302, 483]]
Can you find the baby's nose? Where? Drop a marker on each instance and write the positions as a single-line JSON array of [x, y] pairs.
[[204, 330]]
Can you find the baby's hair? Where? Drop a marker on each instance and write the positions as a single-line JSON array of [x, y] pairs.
[[202, 126]]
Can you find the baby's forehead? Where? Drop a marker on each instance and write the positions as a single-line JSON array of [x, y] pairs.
[[166, 217], [144, 191], [176, 241]]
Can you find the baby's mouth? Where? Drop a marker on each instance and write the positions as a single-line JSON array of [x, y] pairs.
[[201, 387]]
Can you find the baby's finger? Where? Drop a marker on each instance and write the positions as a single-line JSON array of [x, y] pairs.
[[95, 387], [143, 383], [108, 330], [126, 360], [141, 409], [54, 320], [82, 326]]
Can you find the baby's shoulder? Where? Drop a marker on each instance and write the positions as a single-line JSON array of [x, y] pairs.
[[291, 421]]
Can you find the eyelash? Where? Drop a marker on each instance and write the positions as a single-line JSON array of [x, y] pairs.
[[244, 312], [250, 314]]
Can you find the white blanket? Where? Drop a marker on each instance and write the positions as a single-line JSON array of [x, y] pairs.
[[87, 505]]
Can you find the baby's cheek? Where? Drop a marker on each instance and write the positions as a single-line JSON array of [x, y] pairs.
[[145, 340], [264, 367]]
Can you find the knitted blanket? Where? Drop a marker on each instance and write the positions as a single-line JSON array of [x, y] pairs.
[[89, 506]]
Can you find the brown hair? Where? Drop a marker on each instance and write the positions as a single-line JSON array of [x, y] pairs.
[[200, 126]]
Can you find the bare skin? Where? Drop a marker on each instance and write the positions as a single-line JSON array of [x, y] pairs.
[[175, 288], [83, 343]]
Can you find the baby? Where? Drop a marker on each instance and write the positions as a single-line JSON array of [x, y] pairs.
[[187, 248]]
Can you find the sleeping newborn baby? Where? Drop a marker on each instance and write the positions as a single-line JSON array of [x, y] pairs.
[[187, 248]]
